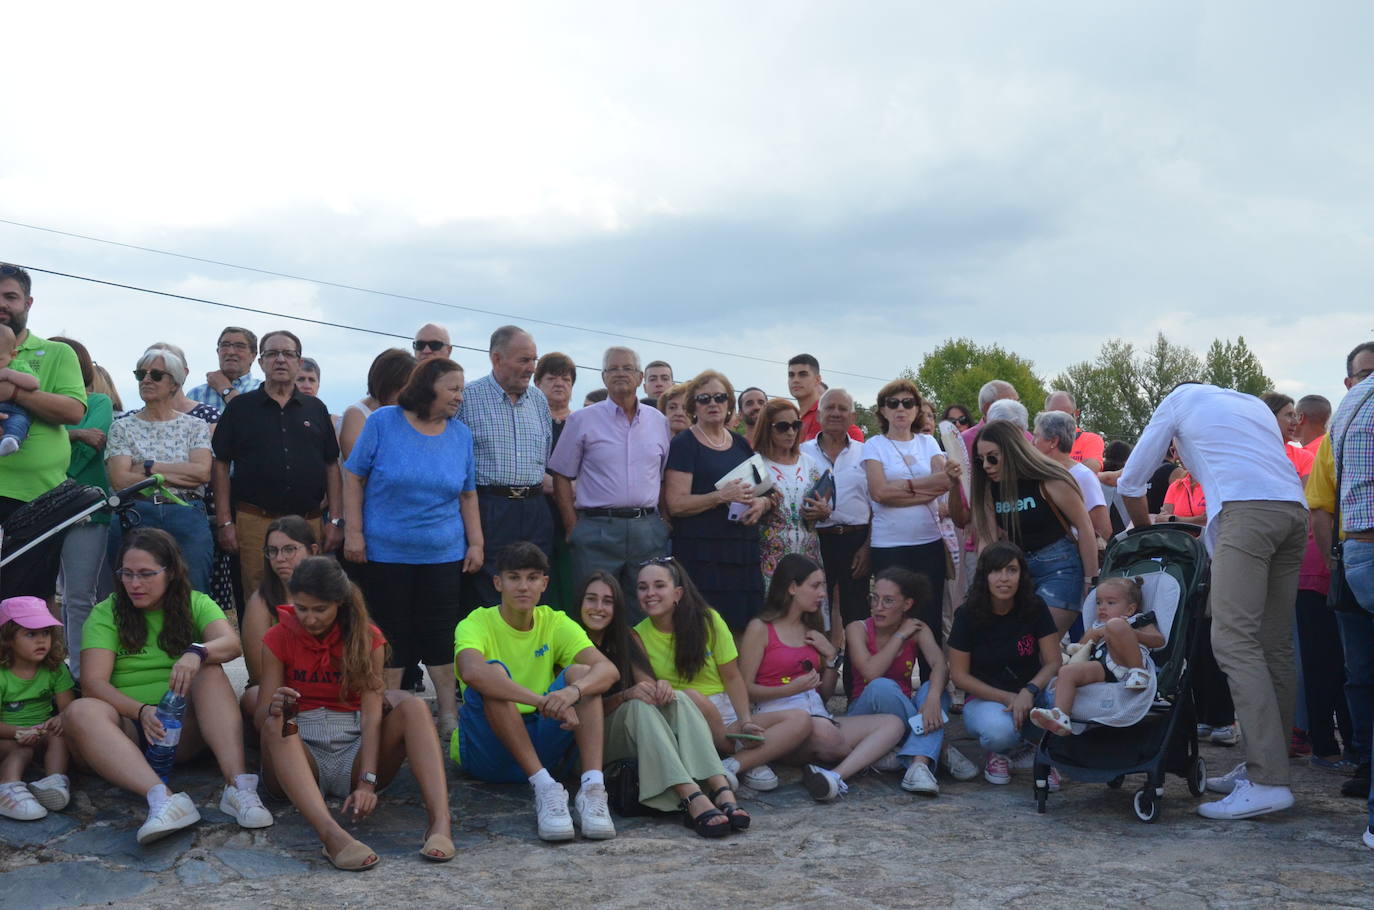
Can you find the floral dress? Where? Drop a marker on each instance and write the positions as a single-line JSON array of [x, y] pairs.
[[782, 529]]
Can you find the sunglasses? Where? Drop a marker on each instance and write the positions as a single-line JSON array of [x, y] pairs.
[[157, 375], [993, 460], [783, 426], [896, 403], [718, 398], [429, 346], [962, 421]]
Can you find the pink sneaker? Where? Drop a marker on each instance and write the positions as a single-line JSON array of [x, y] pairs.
[[998, 769]]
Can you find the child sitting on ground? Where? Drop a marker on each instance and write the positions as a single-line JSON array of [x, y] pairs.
[[14, 429], [1115, 650], [35, 685]]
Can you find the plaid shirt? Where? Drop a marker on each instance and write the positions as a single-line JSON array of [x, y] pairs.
[[1354, 452], [203, 394], [510, 441]]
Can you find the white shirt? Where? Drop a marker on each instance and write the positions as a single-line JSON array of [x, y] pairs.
[[1089, 484], [851, 483], [1230, 443], [904, 526]]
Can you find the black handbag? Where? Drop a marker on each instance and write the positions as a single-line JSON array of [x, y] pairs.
[[1339, 597], [622, 789]]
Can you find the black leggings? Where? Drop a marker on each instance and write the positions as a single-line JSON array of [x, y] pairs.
[[926, 559], [417, 608]]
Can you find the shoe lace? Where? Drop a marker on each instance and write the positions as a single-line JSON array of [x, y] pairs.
[[247, 799], [553, 800]]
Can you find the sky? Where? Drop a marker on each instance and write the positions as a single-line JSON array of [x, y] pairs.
[[859, 181]]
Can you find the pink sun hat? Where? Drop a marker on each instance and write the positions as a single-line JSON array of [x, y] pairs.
[[29, 612]]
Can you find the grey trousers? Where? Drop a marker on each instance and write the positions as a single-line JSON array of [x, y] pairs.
[[616, 546]]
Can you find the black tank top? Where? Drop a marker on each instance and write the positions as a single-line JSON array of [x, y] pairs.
[[1032, 512]]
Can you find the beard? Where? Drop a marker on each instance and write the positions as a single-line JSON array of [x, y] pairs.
[[17, 322]]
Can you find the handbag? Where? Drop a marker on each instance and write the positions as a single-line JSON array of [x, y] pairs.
[[1339, 597], [622, 789]]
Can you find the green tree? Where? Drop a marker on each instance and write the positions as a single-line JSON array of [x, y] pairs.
[[955, 371], [1233, 365], [866, 419], [1119, 390]]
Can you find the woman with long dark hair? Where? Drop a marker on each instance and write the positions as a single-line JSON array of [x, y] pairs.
[[289, 540]]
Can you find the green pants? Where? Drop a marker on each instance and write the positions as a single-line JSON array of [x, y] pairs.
[[673, 745]]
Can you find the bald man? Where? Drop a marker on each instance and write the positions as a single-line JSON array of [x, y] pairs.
[[432, 341]]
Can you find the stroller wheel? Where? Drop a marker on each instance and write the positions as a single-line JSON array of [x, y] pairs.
[[1116, 782], [1145, 805], [1197, 776]]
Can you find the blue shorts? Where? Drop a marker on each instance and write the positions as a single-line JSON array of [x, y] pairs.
[[481, 754], [1057, 571]]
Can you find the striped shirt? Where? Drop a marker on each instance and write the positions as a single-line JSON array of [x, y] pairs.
[[1354, 452], [510, 440]]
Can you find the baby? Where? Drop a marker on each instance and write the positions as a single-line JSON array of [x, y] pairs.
[[1115, 650], [14, 429]]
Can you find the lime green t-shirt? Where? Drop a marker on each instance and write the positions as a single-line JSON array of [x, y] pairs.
[[41, 462], [532, 657], [720, 649], [29, 702], [142, 675]]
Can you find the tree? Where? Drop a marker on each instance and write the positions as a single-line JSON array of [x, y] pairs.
[[1119, 390], [955, 371], [1232, 365], [866, 420]]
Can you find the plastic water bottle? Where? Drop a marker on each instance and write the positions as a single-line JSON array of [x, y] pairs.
[[160, 754]]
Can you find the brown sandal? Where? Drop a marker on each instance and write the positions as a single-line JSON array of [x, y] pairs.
[[438, 849], [354, 857]]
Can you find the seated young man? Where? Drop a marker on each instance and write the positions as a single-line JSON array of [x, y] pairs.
[[521, 717]]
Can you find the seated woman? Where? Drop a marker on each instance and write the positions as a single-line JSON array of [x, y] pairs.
[[790, 664], [647, 720], [289, 540], [690, 647], [1003, 651], [323, 664], [883, 650], [155, 635]]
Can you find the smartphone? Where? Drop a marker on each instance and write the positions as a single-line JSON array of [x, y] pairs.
[[289, 708], [918, 722], [736, 511]]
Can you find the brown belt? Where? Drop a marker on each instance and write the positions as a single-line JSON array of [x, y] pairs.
[[842, 529], [251, 509], [1360, 535]]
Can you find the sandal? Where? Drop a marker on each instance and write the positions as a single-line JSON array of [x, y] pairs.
[[354, 857], [438, 849], [702, 822], [739, 819], [1052, 719]]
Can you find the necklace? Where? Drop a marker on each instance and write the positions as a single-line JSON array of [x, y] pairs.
[[723, 443]]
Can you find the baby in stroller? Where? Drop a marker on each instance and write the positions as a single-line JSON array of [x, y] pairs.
[[1116, 650]]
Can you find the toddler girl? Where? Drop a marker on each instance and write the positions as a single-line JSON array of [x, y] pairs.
[[35, 685]]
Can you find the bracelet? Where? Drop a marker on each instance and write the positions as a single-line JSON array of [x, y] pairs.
[[139, 715], [579, 693], [225, 524]]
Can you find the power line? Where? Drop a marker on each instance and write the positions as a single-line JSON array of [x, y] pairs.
[[364, 290]]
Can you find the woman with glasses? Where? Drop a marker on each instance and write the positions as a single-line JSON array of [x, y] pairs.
[[385, 379], [159, 439], [290, 539], [715, 532], [906, 478], [958, 415], [155, 635], [789, 524]]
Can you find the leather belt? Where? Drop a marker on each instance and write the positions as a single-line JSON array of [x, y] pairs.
[[1360, 535], [505, 492], [617, 513], [842, 529], [187, 498], [251, 509]]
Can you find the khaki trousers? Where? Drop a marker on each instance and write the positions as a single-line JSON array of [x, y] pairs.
[[252, 534]]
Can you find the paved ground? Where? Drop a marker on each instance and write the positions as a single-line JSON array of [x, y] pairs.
[[975, 846]]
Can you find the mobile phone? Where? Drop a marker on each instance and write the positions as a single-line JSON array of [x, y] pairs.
[[289, 708], [736, 511], [918, 722]]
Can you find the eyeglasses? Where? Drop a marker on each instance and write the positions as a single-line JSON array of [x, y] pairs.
[[288, 551], [888, 601], [234, 346], [429, 345], [993, 460], [280, 355], [157, 375], [126, 576], [614, 370], [1362, 375], [895, 403], [962, 421], [718, 398], [783, 426]]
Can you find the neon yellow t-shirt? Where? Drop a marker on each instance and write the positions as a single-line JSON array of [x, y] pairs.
[[532, 657], [720, 649], [29, 702], [41, 462], [142, 675]]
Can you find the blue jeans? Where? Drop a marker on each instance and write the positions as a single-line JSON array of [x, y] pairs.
[[17, 424], [482, 754], [188, 525], [1057, 570], [990, 721], [884, 696], [1357, 635]]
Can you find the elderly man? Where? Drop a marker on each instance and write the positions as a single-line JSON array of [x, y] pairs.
[[432, 341], [512, 434], [279, 447], [844, 535], [1314, 412], [1256, 532], [1087, 447], [236, 349], [616, 451], [41, 462], [658, 379], [992, 390], [1054, 436]]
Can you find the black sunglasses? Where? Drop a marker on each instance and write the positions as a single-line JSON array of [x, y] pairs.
[[962, 421], [158, 375], [993, 460], [782, 426], [718, 398], [429, 345], [896, 403]]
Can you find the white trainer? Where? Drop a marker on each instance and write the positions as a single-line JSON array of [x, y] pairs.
[[244, 804], [960, 768], [761, 778], [17, 802], [1247, 800], [918, 779], [1227, 782], [52, 792], [1369, 838], [888, 763], [1225, 736], [822, 784], [177, 813], [551, 805], [593, 813]]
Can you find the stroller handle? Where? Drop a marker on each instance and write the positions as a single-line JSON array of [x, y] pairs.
[[154, 481]]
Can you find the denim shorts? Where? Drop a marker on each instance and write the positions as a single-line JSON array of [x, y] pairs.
[[482, 755], [1057, 571]]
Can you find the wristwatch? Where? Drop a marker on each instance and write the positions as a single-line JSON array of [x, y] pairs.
[[148, 468], [839, 659], [368, 777], [337, 522], [225, 392], [1032, 688], [198, 649]]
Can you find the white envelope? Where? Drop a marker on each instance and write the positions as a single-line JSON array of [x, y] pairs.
[[753, 471]]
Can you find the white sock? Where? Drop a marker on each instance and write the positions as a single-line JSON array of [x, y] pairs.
[[247, 782], [8, 446], [593, 777], [542, 778], [157, 796]]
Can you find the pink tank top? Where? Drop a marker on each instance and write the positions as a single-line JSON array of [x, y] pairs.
[[899, 671], [782, 662]]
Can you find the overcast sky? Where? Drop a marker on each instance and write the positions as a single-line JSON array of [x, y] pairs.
[[856, 180]]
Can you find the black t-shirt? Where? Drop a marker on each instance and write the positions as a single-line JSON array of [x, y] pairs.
[[1032, 512], [1003, 651], [1159, 486], [278, 454]]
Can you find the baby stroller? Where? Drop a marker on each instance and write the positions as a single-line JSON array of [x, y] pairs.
[[1174, 565]]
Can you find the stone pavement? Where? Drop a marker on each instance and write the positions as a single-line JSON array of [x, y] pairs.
[[975, 845]]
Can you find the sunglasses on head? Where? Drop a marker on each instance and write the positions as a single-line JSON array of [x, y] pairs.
[[429, 345], [896, 403], [993, 460], [782, 426], [157, 375], [718, 398]]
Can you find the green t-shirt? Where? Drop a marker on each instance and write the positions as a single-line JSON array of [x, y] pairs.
[[88, 465], [29, 702], [142, 675], [720, 649], [41, 462]]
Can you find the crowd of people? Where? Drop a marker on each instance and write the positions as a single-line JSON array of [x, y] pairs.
[[655, 598]]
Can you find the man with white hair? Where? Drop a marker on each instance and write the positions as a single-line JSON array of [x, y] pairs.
[[844, 535], [1011, 410], [1087, 447], [992, 390], [1054, 435]]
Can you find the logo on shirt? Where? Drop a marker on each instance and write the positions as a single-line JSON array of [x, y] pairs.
[[1025, 646], [1021, 505], [542, 650]]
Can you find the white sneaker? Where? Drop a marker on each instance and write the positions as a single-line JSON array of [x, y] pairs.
[[1137, 680], [177, 813], [593, 813], [1248, 800], [17, 802], [1225, 736], [889, 762], [918, 779], [244, 804], [1369, 838], [960, 768], [1227, 782], [551, 805], [52, 792], [823, 785], [761, 778], [730, 768]]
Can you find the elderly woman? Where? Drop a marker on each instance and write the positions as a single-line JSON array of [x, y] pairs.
[[715, 532], [906, 478], [555, 375], [159, 439], [789, 525], [844, 534], [410, 500], [385, 379], [1055, 432], [673, 404]]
